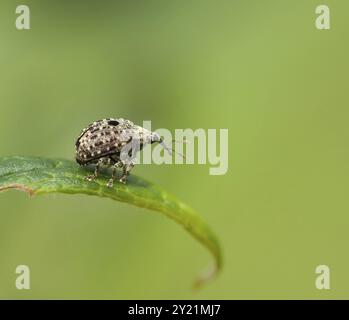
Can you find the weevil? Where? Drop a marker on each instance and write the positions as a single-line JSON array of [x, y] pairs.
[[113, 143]]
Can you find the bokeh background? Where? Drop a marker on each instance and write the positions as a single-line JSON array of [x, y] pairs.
[[259, 68]]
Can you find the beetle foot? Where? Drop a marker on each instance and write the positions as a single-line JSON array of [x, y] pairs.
[[123, 179], [110, 183], [90, 178]]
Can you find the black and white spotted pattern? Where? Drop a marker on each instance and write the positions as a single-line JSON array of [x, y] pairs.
[[103, 141]]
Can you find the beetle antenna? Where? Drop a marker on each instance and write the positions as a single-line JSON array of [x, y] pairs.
[[184, 141], [170, 150]]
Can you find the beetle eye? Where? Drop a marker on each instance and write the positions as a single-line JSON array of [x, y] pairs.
[[113, 122]]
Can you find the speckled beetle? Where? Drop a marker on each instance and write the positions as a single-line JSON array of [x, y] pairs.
[[113, 143]]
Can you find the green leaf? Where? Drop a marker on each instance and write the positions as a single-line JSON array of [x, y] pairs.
[[41, 176]]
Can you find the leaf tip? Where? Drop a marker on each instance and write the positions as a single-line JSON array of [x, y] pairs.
[[206, 276]]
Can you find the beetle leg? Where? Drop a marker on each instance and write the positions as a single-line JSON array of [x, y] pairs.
[[97, 168], [112, 179], [127, 168]]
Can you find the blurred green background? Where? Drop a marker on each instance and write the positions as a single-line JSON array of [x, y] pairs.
[[259, 68]]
